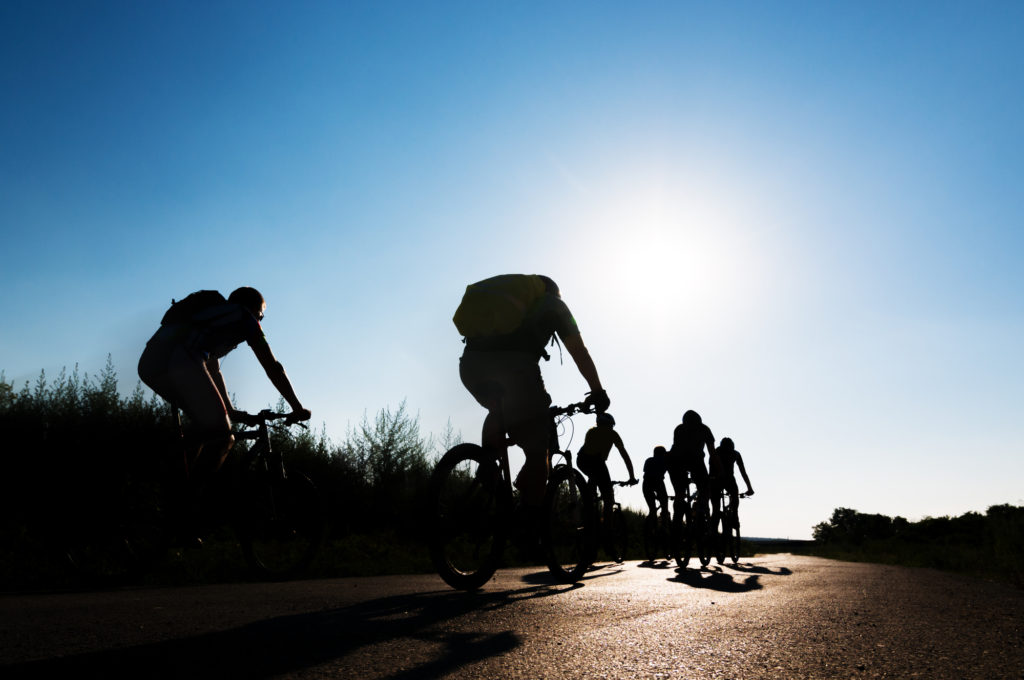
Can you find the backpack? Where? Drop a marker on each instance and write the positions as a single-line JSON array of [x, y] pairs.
[[186, 309], [498, 305]]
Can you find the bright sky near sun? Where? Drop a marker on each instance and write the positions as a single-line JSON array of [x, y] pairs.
[[803, 220]]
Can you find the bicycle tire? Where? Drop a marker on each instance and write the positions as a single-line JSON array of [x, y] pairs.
[[720, 537], [568, 524], [468, 517], [734, 539], [618, 537], [705, 540], [681, 535], [651, 544], [118, 540], [282, 523]]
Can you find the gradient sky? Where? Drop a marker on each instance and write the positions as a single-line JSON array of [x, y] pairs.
[[803, 220]]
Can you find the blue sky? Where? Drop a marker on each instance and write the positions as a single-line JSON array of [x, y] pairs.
[[802, 220]]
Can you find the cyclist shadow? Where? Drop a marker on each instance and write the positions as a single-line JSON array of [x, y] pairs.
[[291, 644], [752, 569], [599, 570], [713, 578], [657, 564]]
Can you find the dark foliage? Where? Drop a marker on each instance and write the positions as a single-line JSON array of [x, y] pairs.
[[988, 545], [73, 446]]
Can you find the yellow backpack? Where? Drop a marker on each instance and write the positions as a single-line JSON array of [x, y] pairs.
[[498, 305]]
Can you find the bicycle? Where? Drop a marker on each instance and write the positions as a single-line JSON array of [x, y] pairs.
[[691, 526], [728, 530], [471, 503], [657, 533], [281, 518], [278, 516]]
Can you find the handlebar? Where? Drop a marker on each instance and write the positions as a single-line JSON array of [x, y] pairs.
[[572, 409], [265, 416]]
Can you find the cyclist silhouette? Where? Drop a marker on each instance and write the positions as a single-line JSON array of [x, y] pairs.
[[592, 459], [653, 487], [722, 463], [507, 322], [686, 456], [181, 363]]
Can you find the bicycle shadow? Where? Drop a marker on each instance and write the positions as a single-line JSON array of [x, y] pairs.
[[289, 644], [657, 564], [713, 578], [599, 570], [753, 569]]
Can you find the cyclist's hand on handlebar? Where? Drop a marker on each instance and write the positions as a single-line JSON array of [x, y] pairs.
[[599, 399], [298, 415], [633, 481], [243, 417]]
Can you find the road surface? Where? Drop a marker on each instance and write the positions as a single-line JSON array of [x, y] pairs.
[[778, 616]]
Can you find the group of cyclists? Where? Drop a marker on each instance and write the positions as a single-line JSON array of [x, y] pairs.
[[507, 323], [685, 461]]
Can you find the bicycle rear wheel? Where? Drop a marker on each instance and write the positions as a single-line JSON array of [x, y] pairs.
[[119, 538], [733, 539], [652, 547], [468, 516], [567, 531], [282, 523], [617, 537], [682, 536], [704, 538]]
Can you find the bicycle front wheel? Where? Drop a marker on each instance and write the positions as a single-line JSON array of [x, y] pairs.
[[282, 523], [733, 539], [568, 524], [682, 536], [468, 516], [617, 536]]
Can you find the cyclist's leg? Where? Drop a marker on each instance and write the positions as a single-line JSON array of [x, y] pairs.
[[662, 495], [210, 438], [651, 496]]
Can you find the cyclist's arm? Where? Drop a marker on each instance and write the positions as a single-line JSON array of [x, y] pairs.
[[625, 457], [213, 368], [743, 471], [278, 377], [581, 357]]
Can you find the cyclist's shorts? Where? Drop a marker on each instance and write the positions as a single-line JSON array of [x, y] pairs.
[[181, 377], [511, 380]]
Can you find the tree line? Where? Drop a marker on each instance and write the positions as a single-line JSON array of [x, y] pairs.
[[989, 545], [71, 441]]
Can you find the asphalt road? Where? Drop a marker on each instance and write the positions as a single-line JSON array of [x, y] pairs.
[[778, 616]]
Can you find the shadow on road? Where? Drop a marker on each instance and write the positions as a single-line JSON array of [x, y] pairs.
[[288, 644], [751, 569], [713, 578]]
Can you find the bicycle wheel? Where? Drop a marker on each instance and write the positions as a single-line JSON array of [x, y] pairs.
[[118, 539], [617, 536], [719, 538], [682, 536], [704, 538], [281, 524], [567, 531], [468, 516], [652, 547], [733, 539]]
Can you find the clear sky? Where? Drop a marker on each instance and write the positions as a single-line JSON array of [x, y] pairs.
[[803, 220]]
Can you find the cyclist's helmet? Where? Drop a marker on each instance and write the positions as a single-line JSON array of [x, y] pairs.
[[691, 418], [250, 298], [605, 419], [726, 444]]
